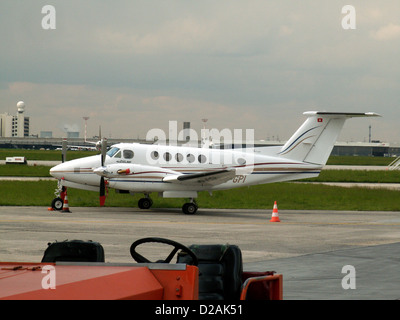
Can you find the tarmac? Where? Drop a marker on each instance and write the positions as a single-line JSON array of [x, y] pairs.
[[311, 249]]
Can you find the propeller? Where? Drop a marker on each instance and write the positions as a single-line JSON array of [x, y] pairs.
[[102, 181]]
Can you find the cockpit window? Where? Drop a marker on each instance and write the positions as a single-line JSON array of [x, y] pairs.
[[118, 154], [112, 152], [128, 154]]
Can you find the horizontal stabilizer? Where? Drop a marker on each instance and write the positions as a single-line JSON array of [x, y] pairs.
[[342, 114]]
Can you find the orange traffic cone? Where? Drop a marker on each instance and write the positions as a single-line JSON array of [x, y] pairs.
[[275, 215], [65, 205]]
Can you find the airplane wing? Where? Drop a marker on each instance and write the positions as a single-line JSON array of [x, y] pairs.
[[205, 178]]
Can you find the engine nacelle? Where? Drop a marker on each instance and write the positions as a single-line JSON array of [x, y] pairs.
[[126, 169]]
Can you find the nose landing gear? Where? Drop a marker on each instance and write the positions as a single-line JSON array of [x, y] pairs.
[[58, 201]]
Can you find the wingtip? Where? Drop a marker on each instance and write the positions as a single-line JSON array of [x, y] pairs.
[[372, 114]]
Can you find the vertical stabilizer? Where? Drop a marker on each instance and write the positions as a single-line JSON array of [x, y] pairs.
[[314, 140]]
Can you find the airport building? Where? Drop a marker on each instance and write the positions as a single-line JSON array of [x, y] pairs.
[[15, 126], [374, 149], [14, 133]]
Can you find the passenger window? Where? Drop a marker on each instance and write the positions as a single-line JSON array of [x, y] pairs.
[[202, 158], [154, 155], [167, 156], [190, 158], [179, 157], [128, 154]]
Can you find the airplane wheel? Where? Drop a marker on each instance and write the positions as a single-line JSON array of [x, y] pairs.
[[145, 203], [57, 204], [189, 208]]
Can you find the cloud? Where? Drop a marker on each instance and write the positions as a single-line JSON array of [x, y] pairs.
[[121, 112], [182, 35], [134, 65], [286, 31], [388, 32]]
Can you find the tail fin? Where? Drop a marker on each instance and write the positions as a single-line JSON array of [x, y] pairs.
[[314, 140]]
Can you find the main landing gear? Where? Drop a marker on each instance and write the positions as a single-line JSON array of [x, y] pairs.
[[188, 208], [145, 203]]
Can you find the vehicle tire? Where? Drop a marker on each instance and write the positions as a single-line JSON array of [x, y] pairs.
[[189, 208], [145, 203], [57, 204]]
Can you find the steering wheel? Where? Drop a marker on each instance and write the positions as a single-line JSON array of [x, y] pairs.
[[177, 246]]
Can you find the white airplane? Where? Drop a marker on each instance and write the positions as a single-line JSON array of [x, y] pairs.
[[96, 145], [181, 172]]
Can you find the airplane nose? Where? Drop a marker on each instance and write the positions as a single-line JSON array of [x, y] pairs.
[[56, 171]]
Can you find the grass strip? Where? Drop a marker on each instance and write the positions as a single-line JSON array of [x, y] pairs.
[[288, 195], [14, 170]]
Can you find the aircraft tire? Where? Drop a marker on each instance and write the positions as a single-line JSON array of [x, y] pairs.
[[57, 204], [189, 208], [145, 203]]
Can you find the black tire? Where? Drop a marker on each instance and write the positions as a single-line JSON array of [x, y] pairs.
[[57, 204], [145, 203], [189, 208]]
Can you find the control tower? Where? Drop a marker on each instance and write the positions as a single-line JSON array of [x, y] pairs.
[[20, 122]]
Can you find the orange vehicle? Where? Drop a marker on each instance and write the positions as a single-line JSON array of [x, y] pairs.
[[74, 270]]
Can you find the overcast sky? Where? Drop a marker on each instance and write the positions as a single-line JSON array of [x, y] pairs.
[[134, 65]]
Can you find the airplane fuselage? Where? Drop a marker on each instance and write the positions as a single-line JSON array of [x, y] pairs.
[[150, 164]]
